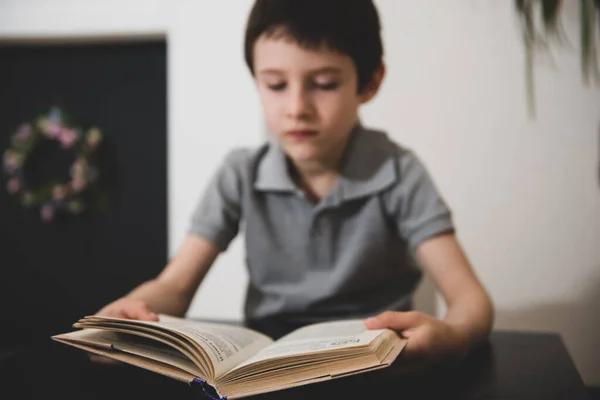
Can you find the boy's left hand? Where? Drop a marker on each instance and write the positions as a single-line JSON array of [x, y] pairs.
[[430, 340]]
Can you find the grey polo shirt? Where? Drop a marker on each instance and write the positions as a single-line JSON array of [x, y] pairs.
[[348, 256]]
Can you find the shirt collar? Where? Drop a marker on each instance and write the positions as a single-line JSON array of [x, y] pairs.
[[367, 167], [272, 173]]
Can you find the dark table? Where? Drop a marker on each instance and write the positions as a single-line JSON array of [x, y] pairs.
[[512, 365]]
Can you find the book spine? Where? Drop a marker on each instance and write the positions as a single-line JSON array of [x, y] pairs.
[[208, 390]]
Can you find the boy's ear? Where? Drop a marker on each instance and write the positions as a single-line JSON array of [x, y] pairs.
[[373, 87]]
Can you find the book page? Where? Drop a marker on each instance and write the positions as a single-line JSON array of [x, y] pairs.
[[226, 345], [330, 330], [98, 342], [318, 337], [140, 346]]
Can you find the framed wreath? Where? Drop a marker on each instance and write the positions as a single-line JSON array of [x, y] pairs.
[[54, 198]]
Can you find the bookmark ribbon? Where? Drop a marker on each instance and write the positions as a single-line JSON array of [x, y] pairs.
[[208, 390]]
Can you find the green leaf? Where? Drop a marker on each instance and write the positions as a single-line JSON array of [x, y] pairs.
[[525, 9], [585, 39], [550, 13]]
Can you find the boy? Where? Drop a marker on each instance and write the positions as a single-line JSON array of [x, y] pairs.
[[332, 210]]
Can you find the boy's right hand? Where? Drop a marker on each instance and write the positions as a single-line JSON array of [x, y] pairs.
[[124, 308]]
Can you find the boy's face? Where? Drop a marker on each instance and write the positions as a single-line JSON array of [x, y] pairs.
[[309, 97]]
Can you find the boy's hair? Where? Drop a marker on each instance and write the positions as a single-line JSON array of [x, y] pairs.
[[351, 27]]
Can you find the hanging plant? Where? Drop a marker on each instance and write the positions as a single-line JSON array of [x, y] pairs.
[[547, 12]]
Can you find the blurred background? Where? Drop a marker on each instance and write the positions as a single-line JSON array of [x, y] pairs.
[[166, 82]]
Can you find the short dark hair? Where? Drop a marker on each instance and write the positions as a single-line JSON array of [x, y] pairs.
[[351, 27]]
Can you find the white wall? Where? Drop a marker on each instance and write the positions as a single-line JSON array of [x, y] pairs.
[[525, 193]]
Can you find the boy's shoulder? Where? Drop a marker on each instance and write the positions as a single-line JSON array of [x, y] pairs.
[[240, 157], [240, 163], [244, 158], [380, 143], [375, 150]]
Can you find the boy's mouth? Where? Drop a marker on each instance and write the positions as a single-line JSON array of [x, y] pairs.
[[301, 134]]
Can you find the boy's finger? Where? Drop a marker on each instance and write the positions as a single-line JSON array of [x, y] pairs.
[[141, 313], [147, 314], [396, 320]]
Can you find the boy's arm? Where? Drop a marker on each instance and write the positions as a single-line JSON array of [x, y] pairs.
[[470, 315], [470, 309], [214, 224], [172, 291]]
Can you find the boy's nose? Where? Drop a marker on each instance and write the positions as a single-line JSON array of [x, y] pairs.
[[299, 105]]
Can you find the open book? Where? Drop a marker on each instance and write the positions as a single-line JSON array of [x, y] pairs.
[[230, 361]]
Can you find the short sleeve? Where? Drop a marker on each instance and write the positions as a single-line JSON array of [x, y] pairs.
[[415, 203], [218, 213]]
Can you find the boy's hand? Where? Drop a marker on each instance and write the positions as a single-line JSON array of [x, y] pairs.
[[129, 309], [124, 308], [430, 340]]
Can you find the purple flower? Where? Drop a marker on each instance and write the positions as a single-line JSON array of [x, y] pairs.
[[47, 212], [67, 137], [12, 161], [6, 159], [50, 128], [13, 186], [78, 184], [53, 129], [94, 137], [23, 133], [59, 192], [79, 168]]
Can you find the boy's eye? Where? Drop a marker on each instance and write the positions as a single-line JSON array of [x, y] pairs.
[[276, 86], [326, 85], [315, 85]]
